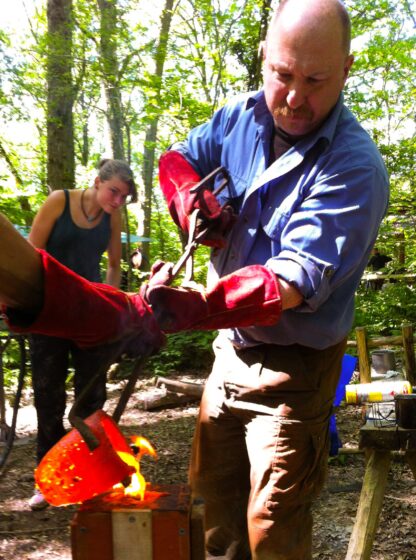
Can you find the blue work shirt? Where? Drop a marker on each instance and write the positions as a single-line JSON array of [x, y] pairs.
[[312, 216]]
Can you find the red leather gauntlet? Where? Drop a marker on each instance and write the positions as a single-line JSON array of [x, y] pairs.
[[89, 313], [250, 296], [176, 178]]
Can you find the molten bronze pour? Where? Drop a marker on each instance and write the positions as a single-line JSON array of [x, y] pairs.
[[71, 473]]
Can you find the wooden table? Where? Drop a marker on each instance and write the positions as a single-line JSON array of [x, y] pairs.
[[378, 443]]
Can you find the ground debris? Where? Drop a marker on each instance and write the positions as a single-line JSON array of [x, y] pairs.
[[27, 535]]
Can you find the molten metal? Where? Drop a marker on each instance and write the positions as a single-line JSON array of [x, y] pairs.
[[70, 473]]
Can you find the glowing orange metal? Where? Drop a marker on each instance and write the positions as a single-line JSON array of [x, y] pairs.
[[70, 473]]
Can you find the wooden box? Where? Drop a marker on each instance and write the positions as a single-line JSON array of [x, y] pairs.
[[166, 525]]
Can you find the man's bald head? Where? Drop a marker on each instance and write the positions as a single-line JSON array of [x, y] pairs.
[[306, 63], [318, 11]]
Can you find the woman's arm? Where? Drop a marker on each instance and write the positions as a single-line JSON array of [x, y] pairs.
[[45, 219], [113, 276]]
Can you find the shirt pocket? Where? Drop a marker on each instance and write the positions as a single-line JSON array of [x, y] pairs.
[[233, 193], [279, 205]]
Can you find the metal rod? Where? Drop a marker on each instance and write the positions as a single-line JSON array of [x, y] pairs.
[[207, 179], [129, 388], [77, 422], [74, 418]]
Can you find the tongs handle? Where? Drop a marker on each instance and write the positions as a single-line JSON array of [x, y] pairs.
[[192, 244], [196, 188]]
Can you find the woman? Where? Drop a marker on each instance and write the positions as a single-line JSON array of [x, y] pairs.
[[76, 227]]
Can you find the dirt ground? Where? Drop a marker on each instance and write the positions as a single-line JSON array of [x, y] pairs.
[[45, 535]]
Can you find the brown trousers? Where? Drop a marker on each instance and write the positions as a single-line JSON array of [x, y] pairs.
[[261, 448]]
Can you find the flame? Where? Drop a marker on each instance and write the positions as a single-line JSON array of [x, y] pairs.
[[137, 486], [145, 447]]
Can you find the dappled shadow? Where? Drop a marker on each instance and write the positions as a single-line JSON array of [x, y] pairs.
[[27, 535]]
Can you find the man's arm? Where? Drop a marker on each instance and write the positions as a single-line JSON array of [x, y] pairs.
[[21, 281], [249, 296], [40, 295], [178, 181], [291, 297]]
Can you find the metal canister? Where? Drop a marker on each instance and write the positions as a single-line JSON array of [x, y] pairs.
[[377, 391]]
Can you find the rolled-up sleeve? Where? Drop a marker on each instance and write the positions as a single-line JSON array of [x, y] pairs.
[[327, 236]]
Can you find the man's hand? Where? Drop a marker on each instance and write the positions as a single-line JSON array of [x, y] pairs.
[[249, 296], [160, 275], [176, 178]]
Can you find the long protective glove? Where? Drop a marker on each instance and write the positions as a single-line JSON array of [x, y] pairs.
[[176, 178], [249, 296], [88, 313]]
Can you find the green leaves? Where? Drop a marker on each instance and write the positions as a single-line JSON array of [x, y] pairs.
[[209, 53], [383, 312]]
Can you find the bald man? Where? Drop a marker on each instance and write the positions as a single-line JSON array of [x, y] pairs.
[[290, 238]]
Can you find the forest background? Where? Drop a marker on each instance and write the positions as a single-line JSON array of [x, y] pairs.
[[86, 79]]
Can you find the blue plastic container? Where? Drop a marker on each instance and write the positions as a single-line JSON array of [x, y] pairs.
[[347, 369]]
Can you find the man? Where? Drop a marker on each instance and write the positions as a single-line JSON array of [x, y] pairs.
[[291, 236], [377, 262]]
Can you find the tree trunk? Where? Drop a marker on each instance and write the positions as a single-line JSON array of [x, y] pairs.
[[110, 77], [151, 132], [184, 387], [60, 99], [254, 69], [110, 70]]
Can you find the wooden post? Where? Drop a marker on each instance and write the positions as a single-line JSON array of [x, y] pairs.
[[410, 457], [369, 507], [409, 353], [363, 357]]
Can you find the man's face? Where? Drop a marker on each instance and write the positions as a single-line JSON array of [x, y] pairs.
[[304, 73]]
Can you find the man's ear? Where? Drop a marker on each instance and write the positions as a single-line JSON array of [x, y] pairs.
[[347, 66]]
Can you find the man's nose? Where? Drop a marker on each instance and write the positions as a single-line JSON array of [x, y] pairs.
[[296, 97]]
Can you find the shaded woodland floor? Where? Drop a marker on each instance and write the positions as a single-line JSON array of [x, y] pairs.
[[45, 535]]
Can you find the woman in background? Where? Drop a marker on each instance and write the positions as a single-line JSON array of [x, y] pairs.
[[76, 227]]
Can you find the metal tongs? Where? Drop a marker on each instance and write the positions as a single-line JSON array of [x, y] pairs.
[[194, 237]]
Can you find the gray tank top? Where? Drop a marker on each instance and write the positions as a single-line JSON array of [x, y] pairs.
[[79, 249]]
